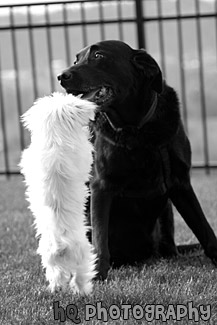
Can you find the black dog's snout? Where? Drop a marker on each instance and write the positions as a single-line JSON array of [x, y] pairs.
[[65, 76]]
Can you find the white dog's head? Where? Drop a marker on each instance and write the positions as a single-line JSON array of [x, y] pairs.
[[65, 110]]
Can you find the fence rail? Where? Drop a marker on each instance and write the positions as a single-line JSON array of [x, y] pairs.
[[38, 40]]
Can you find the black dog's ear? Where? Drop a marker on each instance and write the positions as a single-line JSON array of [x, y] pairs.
[[143, 61]]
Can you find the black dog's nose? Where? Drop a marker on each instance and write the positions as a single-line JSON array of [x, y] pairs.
[[64, 76]]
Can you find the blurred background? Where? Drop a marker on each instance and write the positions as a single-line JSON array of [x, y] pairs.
[[40, 39]]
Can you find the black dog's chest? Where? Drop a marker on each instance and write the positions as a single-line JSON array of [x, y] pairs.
[[123, 161], [136, 172]]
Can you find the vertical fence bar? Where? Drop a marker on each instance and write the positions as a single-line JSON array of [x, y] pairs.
[[17, 81], [49, 44], [32, 53], [120, 26], [3, 125], [102, 27], [216, 25], [181, 60], [83, 22], [140, 24], [66, 34], [202, 94], [161, 37]]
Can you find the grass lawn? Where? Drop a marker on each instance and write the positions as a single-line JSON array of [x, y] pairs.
[[188, 281]]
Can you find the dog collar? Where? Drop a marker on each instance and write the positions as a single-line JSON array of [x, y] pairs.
[[144, 120], [129, 136], [150, 112]]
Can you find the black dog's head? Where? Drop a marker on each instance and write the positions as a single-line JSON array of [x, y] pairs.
[[113, 75]]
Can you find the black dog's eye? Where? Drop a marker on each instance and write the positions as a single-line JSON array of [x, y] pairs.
[[98, 55], [75, 62]]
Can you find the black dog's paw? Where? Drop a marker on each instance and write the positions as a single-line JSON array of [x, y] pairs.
[[214, 260], [102, 270], [168, 251], [189, 248], [211, 252]]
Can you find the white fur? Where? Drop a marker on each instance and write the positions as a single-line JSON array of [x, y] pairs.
[[56, 166]]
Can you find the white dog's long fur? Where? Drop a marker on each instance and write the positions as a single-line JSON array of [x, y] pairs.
[[56, 166]]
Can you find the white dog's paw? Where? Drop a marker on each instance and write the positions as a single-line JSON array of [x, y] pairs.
[[81, 288]]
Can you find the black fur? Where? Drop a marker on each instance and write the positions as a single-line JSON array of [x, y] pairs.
[[140, 167]]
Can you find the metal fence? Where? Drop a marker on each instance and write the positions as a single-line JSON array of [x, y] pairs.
[[38, 41]]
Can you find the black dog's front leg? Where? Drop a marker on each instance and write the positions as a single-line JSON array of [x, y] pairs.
[[100, 208], [188, 206]]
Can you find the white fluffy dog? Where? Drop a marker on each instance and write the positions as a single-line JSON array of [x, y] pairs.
[[56, 166]]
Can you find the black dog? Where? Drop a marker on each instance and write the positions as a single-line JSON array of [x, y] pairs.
[[142, 157]]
